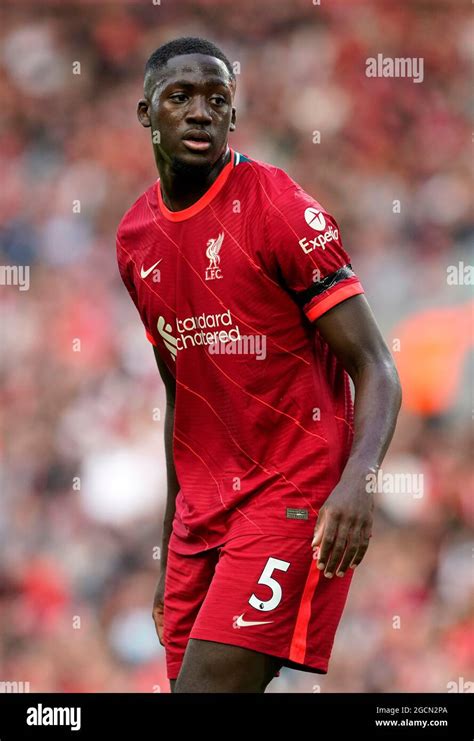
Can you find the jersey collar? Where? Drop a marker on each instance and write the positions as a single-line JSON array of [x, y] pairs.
[[204, 201]]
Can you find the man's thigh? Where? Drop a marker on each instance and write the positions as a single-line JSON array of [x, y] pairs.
[[220, 667], [187, 582]]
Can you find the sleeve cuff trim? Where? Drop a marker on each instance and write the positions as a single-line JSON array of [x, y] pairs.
[[340, 293]]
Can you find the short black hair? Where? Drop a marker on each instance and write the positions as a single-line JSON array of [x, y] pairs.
[[185, 45]]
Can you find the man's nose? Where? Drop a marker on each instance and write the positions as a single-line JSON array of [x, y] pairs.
[[199, 111]]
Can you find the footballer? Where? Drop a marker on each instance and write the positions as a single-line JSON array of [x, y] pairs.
[[258, 322]]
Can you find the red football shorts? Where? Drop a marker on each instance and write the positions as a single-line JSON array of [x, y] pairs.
[[264, 593]]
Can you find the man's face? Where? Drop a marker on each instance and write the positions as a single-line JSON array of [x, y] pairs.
[[189, 102]]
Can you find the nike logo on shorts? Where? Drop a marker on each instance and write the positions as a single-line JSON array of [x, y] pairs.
[[241, 623]]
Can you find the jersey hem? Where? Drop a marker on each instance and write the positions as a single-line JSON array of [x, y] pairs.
[[308, 536]]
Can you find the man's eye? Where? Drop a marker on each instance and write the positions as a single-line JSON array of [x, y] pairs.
[[218, 99], [179, 97]]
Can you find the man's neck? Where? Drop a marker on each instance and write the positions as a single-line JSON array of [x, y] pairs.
[[181, 189]]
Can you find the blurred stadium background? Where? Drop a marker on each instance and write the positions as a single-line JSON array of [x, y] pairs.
[[83, 475]]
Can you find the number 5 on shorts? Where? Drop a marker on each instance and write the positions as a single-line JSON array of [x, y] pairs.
[[266, 578]]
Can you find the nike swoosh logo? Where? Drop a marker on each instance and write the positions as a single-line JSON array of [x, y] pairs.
[[146, 273], [244, 623]]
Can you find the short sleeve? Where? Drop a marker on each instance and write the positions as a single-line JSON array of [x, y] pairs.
[[125, 267], [304, 248]]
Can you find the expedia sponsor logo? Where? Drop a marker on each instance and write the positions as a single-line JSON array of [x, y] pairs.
[[315, 219], [308, 245], [198, 330]]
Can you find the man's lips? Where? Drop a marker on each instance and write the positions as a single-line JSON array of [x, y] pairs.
[[197, 141], [196, 146]]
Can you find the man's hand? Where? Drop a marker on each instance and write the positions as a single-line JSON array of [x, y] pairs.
[[343, 528], [159, 606]]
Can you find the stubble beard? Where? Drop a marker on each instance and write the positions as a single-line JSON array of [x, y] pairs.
[[191, 172]]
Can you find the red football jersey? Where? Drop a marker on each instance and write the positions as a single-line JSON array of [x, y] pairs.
[[228, 290]]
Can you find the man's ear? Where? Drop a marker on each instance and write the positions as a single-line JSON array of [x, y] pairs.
[[232, 120], [142, 113]]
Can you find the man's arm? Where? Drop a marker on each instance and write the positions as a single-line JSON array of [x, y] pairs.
[[172, 490], [344, 522]]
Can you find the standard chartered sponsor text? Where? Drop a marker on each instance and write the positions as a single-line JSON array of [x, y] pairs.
[[224, 339], [191, 330]]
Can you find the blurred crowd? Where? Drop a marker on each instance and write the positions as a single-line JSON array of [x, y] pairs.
[[82, 477]]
